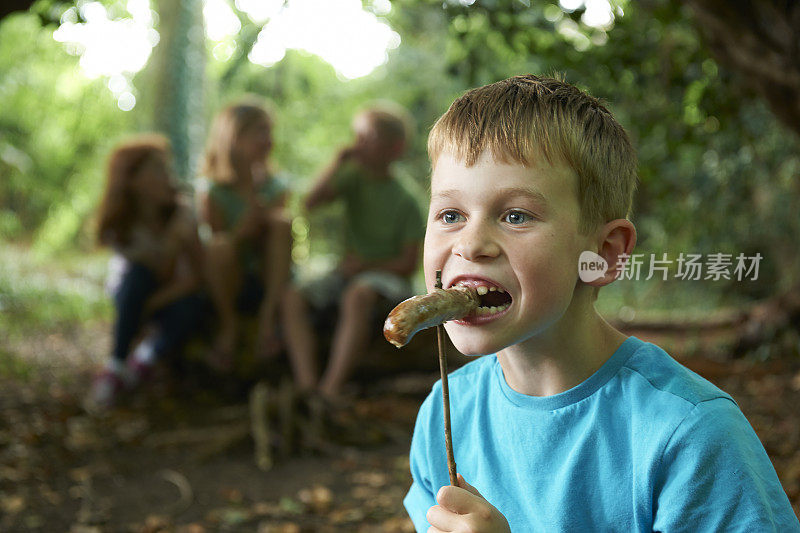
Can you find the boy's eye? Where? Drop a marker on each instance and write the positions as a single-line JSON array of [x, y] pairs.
[[517, 217], [450, 217]]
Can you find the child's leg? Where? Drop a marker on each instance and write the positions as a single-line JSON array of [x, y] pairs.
[[224, 279], [301, 342], [350, 338], [277, 261], [137, 284], [176, 324]]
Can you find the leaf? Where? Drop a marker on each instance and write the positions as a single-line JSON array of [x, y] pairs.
[[285, 527], [318, 498], [231, 495], [290, 505], [156, 524], [12, 504], [191, 528]]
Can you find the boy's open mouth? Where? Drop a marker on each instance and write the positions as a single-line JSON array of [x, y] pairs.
[[493, 299]]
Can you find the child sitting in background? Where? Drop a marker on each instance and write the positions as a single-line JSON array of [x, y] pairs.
[[383, 228], [249, 253], [142, 219]]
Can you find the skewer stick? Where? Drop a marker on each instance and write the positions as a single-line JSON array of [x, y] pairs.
[[448, 433]]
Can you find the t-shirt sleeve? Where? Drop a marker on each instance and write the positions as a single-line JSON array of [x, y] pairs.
[[421, 496], [414, 229], [716, 476]]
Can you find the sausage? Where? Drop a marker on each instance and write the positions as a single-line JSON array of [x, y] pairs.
[[428, 310]]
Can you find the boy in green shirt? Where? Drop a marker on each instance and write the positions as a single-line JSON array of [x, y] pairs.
[[383, 228]]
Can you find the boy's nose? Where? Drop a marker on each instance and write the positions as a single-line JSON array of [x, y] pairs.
[[475, 243]]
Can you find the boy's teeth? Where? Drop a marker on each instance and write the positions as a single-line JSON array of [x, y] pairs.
[[483, 310], [482, 290], [492, 289]]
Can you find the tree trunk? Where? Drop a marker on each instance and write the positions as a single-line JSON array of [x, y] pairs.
[[178, 71]]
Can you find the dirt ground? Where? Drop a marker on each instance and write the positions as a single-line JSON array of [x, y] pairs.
[[180, 458]]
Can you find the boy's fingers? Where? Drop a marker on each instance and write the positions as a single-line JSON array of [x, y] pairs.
[[456, 499], [464, 485], [441, 519]]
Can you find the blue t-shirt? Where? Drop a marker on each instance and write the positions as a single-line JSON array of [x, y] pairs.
[[644, 444]]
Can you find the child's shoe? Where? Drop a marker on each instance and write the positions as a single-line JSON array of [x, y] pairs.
[[137, 372], [106, 389], [140, 364]]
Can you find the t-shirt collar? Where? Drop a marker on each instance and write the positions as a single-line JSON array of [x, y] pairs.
[[577, 393]]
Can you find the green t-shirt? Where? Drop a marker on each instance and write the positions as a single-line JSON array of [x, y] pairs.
[[381, 217], [233, 205]]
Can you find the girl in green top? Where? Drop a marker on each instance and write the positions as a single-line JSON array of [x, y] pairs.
[[250, 249]]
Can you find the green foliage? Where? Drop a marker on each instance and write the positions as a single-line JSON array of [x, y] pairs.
[[718, 172], [52, 294], [55, 128]]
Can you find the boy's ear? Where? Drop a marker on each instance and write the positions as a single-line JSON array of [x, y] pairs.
[[615, 238]]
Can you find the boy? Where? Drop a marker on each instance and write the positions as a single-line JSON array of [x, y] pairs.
[[383, 230], [570, 425]]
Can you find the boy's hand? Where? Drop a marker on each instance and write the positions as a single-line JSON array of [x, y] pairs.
[[324, 190], [463, 508]]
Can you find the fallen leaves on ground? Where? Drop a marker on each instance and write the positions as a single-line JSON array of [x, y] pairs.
[[137, 470]]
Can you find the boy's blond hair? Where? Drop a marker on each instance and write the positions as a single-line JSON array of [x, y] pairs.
[[225, 131], [525, 117]]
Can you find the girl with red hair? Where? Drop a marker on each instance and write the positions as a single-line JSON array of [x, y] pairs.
[[155, 235]]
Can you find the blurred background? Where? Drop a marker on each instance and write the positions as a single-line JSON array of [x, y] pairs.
[[709, 92]]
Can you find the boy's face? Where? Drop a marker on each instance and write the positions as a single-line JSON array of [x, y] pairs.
[[509, 227], [372, 147]]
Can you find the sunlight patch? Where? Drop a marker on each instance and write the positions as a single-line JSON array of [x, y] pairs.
[[352, 40]]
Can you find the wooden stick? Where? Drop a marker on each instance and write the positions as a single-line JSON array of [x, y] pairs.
[[448, 433], [259, 421]]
